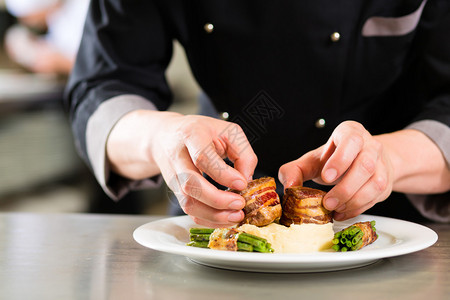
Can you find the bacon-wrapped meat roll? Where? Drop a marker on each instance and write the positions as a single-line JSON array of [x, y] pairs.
[[304, 205], [355, 237], [229, 239], [262, 202]]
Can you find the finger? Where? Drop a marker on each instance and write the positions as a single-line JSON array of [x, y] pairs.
[[206, 214], [245, 161], [376, 189], [209, 216], [305, 168], [196, 186], [183, 178], [205, 157], [360, 172], [341, 216], [348, 143], [239, 150], [291, 174]]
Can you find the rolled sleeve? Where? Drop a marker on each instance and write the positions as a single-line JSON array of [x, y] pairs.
[[438, 132], [435, 207], [98, 129]]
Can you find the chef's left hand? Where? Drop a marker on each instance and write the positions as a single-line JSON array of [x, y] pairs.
[[354, 161]]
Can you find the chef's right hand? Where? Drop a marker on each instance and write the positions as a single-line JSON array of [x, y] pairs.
[[145, 143]]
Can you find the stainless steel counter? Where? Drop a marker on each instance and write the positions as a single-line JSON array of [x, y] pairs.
[[81, 256]]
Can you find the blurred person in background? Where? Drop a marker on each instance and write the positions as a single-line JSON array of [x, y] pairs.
[[46, 40], [47, 37]]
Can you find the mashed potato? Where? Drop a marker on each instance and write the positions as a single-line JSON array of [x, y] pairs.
[[296, 238]]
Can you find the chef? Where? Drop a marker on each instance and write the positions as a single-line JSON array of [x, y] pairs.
[[352, 95]]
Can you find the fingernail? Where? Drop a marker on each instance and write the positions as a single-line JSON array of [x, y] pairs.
[[288, 184], [238, 185], [250, 178], [235, 217], [330, 175], [237, 204], [331, 203]]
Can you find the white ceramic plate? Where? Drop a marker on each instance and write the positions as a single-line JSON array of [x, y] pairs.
[[396, 237]]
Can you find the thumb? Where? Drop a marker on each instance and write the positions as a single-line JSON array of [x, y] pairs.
[[303, 169]]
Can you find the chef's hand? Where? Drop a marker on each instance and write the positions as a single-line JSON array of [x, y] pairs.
[[181, 148], [354, 161]]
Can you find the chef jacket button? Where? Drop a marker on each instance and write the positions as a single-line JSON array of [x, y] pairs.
[[335, 37], [209, 28], [224, 116], [320, 123]]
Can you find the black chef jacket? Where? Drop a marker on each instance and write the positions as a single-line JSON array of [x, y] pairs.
[[287, 71]]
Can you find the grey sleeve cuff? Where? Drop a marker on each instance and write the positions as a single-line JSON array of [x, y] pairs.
[[434, 207], [438, 132], [98, 128]]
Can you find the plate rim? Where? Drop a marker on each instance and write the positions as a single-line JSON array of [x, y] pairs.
[[405, 244]]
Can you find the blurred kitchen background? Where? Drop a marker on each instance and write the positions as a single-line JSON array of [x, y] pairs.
[[39, 169]]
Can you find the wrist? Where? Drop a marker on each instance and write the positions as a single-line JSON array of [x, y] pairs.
[[130, 147], [157, 127], [417, 163]]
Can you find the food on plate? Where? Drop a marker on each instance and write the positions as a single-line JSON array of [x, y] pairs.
[[262, 202], [229, 239], [305, 225], [302, 238], [303, 205], [355, 237]]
